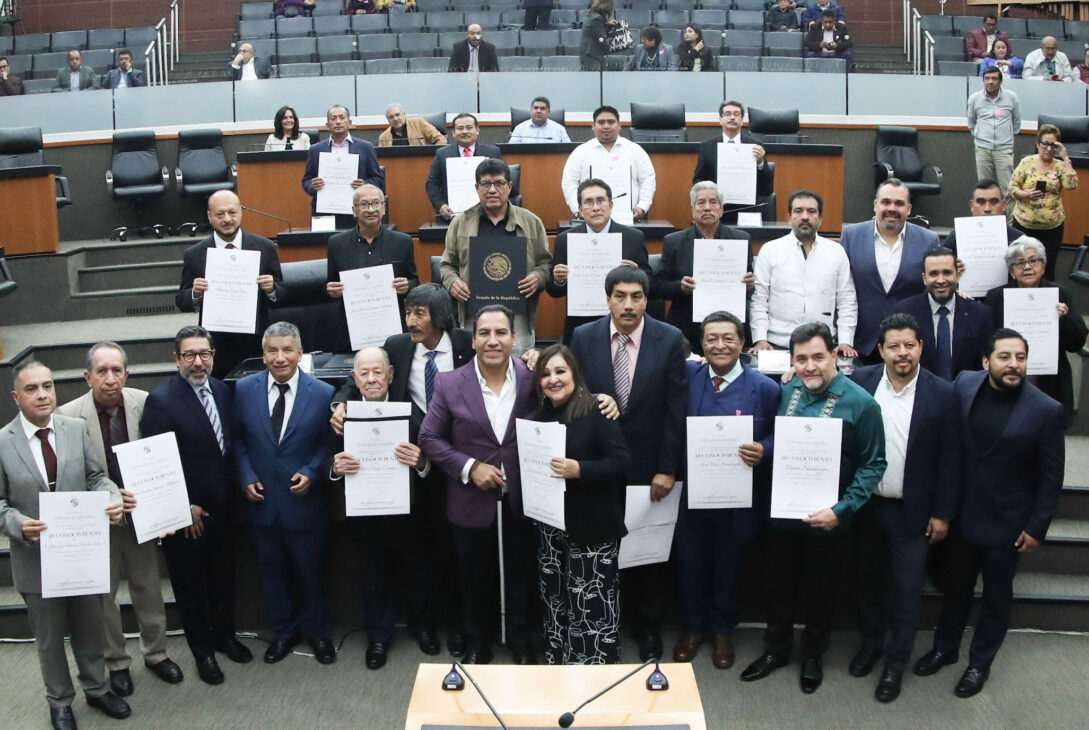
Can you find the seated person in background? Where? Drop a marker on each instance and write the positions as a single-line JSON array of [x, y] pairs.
[[403, 130], [539, 128], [291, 8], [1001, 57], [781, 18], [1048, 63], [981, 40], [75, 76], [1082, 69], [830, 39], [693, 54], [397, 6], [124, 75], [653, 55], [286, 134], [9, 85], [361, 7], [246, 66], [474, 53], [812, 14]]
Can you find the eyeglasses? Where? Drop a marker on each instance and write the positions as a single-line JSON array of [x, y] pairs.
[[1049, 144], [595, 203], [489, 184], [368, 205], [1029, 263], [204, 355]]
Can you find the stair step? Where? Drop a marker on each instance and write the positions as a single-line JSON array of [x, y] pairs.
[[138, 251], [153, 273], [72, 356], [129, 292], [1074, 503]]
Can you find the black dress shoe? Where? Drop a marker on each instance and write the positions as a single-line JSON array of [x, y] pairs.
[[209, 671], [111, 705], [121, 682], [811, 676], [166, 670], [863, 662], [762, 667], [428, 642], [455, 643], [279, 648], [235, 650], [522, 656], [650, 646], [324, 651], [62, 718], [376, 655], [971, 682], [888, 688], [477, 655], [933, 661]]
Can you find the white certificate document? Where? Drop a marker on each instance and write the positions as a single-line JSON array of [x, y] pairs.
[[1034, 314], [461, 182], [981, 245], [717, 477], [618, 176], [382, 485], [338, 172], [75, 545], [773, 362], [542, 494], [805, 473], [370, 305], [718, 266], [372, 410], [590, 257], [737, 173], [230, 303], [151, 469], [650, 526]]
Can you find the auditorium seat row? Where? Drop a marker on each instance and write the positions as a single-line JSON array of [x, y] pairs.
[[45, 65], [136, 39]]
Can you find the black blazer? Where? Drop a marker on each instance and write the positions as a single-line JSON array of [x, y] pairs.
[[436, 176], [932, 472], [677, 262], [707, 164], [346, 253], [593, 505], [1014, 483], [210, 476], [112, 79], [653, 424], [592, 44], [260, 67], [633, 247], [369, 170], [973, 323], [459, 57]]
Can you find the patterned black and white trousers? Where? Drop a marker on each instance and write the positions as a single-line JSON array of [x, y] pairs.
[[580, 592]]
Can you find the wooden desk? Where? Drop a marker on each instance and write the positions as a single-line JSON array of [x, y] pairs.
[[536, 696], [272, 182], [30, 197]]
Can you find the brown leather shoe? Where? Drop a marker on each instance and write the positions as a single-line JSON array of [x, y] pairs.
[[687, 647], [722, 651]]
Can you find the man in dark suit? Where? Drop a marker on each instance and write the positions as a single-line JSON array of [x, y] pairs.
[[988, 198], [1014, 453], [954, 330], [474, 53], [197, 408], [673, 280], [124, 75], [341, 142], [247, 65], [912, 504], [225, 215], [9, 85], [282, 454], [886, 256], [731, 115], [74, 76], [830, 38], [640, 362], [469, 433], [466, 132], [43, 452], [596, 208]]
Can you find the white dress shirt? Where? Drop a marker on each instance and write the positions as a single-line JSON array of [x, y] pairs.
[[896, 409], [528, 132], [727, 379], [222, 242], [35, 444], [249, 72], [935, 317], [591, 159], [73, 80], [888, 258], [499, 407], [444, 361], [790, 289], [289, 398]]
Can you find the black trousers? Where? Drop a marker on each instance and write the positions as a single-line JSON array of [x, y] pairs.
[[801, 567], [441, 555], [536, 18], [891, 573], [1052, 238], [998, 566], [645, 588], [389, 542]]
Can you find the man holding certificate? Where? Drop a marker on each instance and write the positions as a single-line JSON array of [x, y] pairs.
[[987, 199], [341, 147], [466, 133], [816, 488], [42, 453], [731, 116], [577, 249], [225, 215], [711, 540]]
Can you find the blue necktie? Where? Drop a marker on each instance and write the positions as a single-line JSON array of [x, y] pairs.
[[945, 346], [430, 371]]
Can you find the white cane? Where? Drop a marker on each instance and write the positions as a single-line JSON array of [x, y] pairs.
[[502, 574]]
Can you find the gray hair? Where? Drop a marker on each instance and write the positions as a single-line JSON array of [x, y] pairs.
[[1018, 247], [282, 329], [391, 107], [368, 186], [704, 185], [104, 346], [380, 350]]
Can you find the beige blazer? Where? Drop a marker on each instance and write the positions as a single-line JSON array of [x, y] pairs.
[[84, 407]]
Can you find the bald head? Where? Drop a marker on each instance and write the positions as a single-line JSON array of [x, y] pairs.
[[225, 213], [1049, 45], [372, 373]]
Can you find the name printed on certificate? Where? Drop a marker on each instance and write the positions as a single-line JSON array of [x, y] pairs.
[[590, 257], [542, 494], [370, 305], [75, 545], [151, 469], [230, 303], [805, 471], [717, 477], [1034, 313], [338, 172], [736, 174], [650, 526], [718, 267], [382, 485]]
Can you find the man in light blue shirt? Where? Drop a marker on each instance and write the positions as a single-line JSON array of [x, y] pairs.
[[539, 128]]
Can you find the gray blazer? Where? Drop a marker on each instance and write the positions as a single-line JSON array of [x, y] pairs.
[[20, 483], [84, 407]]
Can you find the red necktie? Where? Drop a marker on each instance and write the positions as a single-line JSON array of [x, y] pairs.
[[717, 382], [464, 151], [229, 245], [49, 457]]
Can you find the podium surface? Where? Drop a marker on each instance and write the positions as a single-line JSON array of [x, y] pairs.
[[536, 696]]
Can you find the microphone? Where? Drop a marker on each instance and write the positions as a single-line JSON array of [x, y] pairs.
[[453, 682], [285, 221], [655, 683]]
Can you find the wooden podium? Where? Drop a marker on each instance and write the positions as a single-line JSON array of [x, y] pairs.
[[536, 696], [30, 197]]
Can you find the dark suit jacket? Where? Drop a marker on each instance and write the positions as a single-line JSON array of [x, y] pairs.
[[633, 247], [841, 36], [209, 473], [677, 262], [459, 57], [707, 164], [369, 170], [12, 86], [972, 324], [260, 456], [457, 429], [86, 78], [346, 253], [260, 67], [977, 43], [653, 424], [932, 476], [1013, 484], [436, 176], [112, 79], [874, 304]]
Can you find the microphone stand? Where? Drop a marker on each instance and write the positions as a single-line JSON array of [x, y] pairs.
[[454, 683], [656, 682], [285, 221]]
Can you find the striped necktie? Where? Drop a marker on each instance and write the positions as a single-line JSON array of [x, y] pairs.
[[209, 404], [621, 371], [430, 371]]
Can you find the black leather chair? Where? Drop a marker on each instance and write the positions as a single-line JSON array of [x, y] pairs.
[[1074, 131], [306, 305], [22, 147], [516, 184], [658, 123], [135, 176], [519, 115], [202, 169], [656, 306], [898, 156], [775, 125], [1076, 274], [438, 121], [7, 282]]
